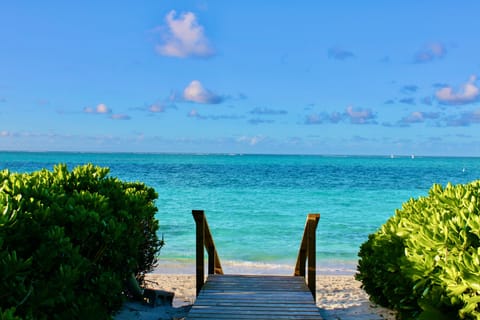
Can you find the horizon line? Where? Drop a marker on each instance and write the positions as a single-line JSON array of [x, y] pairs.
[[391, 155]]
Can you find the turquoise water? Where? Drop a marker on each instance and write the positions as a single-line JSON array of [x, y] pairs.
[[256, 205]]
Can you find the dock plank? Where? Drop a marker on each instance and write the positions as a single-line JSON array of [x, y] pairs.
[[246, 297]]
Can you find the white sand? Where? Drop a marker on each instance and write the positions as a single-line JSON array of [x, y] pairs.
[[338, 297]]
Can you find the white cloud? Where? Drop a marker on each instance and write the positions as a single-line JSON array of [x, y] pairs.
[[195, 92], [469, 92], [360, 116], [184, 38], [101, 109]]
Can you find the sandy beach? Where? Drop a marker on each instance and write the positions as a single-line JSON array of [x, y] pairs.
[[338, 297]]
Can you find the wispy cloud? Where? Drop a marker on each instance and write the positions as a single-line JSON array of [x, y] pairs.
[[316, 118], [418, 117], [430, 52], [195, 92], [468, 93], [156, 108], [427, 100], [5, 133], [267, 111], [43, 102], [120, 116], [257, 121], [251, 140], [439, 85], [159, 106], [339, 53], [336, 117], [321, 118], [184, 37], [410, 88], [352, 115], [410, 101], [195, 114], [242, 96], [465, 119]]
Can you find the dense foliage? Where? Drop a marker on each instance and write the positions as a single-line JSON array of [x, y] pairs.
[[68, 241], [425, 260]]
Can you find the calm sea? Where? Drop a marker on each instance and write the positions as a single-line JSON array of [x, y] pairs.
[[257, 205]]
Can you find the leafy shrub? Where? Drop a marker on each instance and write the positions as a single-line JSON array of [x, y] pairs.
[[425, 260], [69, 240], [9, 314]]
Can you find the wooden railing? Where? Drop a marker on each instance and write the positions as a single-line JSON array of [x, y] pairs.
[[308, 252], [205, 241]]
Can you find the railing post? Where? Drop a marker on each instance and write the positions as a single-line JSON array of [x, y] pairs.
[[311, 249], [199, 217], [205, 241], [308, 252]]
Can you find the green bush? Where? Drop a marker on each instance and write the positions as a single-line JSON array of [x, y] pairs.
[[424, 261], [69, 240]]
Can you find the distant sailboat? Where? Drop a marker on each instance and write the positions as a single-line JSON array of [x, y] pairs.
[[413, 156]]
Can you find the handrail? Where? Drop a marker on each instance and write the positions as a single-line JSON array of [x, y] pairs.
[[205, 241], [308, 252]]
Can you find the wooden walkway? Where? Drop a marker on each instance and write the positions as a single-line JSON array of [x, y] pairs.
[[259, 297], [254, 297]]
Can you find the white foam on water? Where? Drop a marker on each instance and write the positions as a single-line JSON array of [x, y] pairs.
[[187, 266]]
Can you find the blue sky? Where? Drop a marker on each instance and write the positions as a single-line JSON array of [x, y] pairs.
[[306, 77]]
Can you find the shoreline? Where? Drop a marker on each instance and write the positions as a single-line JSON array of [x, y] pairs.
[[338, 297], [187, 267]]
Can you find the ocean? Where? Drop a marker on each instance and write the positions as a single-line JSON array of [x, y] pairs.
[[256, 205]]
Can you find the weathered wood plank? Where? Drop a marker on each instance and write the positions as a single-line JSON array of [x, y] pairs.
[[250, 317], [254, 297]]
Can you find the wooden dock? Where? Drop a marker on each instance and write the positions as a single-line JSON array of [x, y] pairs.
[[259, 297], [254, 297]]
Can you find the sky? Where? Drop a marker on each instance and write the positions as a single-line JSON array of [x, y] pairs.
[[269, 77]]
